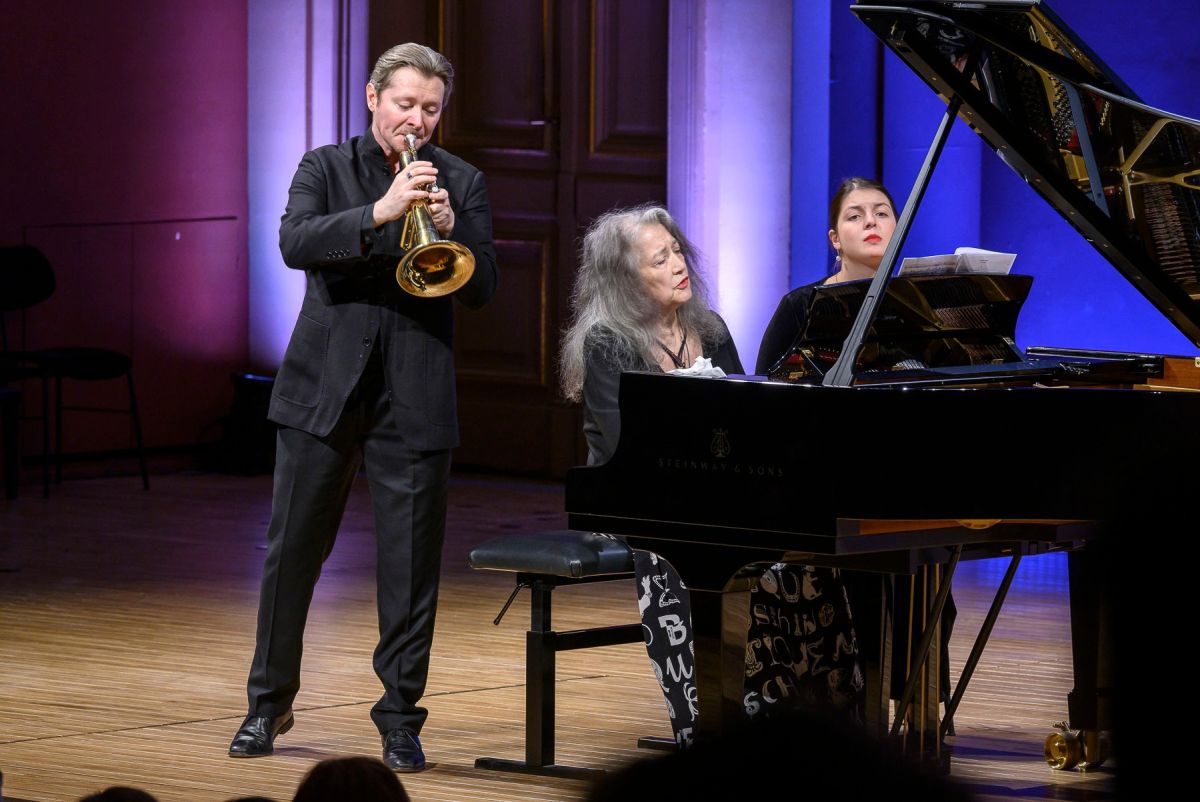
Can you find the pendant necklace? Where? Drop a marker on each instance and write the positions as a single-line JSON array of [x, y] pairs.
[[676, 356]]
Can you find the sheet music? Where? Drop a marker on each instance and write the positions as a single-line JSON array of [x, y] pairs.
[[963, 260]]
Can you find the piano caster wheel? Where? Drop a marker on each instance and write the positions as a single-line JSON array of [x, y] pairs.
[[1070, 749], [1063, 750]]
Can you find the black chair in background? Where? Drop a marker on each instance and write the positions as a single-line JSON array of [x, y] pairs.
[[27, 279], [10, 409]]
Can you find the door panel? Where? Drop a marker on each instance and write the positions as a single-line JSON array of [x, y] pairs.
[[504, 44], [517, 311]]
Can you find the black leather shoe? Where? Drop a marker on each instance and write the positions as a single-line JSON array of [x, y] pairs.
[[402, 751], [256, 738]]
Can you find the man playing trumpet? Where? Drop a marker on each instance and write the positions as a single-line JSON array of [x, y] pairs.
[[367, 380]]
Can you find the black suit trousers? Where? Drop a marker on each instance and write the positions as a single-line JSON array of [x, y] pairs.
[[408, 491]]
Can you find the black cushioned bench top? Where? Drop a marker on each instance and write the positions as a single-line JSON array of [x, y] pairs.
[[560, 553]]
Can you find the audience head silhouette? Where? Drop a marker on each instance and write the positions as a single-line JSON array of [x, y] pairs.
[[363, 779], [820, 756], [120, 793]]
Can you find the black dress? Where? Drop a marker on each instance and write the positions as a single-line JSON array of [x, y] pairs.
[[800, 648], [785, 326]]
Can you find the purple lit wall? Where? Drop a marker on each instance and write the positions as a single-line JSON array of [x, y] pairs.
[[133, 111], [729, 152], [124, 160], [306, 88], [277, 134]]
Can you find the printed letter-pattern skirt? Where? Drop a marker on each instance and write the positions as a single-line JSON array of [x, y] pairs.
[[800, 648]]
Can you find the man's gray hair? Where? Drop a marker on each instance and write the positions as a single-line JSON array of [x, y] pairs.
[[610, 294], [425, 60]]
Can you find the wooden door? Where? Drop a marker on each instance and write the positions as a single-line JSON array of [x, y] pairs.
[[564, 106]]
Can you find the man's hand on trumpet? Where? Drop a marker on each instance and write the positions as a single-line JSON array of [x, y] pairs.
[[410, 185], [441, 213]]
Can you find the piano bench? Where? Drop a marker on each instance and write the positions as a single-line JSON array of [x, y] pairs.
[[543, 561]]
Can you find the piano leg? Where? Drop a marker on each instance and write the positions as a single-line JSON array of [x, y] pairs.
[[1092, 704], [1088, 702], [870, 600], [918, 708], [922, 735], [888, 658], [720, 620]]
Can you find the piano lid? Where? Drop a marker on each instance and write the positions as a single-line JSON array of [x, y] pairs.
[[1124, 174]]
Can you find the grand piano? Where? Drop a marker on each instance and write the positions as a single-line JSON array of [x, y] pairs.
[[889, 464]]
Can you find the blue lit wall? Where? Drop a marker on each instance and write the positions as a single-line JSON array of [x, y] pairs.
[[882, 118], [1078, 298]]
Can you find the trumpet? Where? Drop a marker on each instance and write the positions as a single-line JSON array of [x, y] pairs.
[[431, 266]]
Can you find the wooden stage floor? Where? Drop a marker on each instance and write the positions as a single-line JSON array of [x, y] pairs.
[[127, 625]]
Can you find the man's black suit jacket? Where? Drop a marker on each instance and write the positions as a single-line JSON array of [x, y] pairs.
[[352, 299]]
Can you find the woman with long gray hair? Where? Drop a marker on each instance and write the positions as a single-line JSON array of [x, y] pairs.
[[640, 304]]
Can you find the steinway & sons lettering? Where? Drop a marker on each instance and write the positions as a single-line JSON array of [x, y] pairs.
[[721, 467]]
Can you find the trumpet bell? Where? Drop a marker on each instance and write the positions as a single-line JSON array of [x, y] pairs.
[[435, 268], [431, 266]]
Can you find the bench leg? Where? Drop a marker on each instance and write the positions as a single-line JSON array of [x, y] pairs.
[[540, 649], [542, 644], [540, 666]]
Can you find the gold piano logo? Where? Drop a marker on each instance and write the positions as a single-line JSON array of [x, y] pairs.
[[720, 443]]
